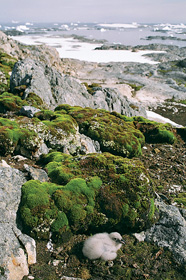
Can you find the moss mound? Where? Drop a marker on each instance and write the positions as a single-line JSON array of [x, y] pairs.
[[123, 202], [114, 134], [12, 136], [49, 207], [154, 132], [34, 100], [10, 102], [59, 120]]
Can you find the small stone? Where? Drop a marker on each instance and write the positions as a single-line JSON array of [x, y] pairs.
[[19, 158], [28, 111], [140, 236], [157, 151], [36, 173]]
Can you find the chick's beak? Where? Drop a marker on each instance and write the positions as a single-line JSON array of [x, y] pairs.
[[122, 241]]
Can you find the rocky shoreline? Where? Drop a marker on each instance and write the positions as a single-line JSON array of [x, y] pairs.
[[78, 156]]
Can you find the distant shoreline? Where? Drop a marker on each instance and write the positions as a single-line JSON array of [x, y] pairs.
[[85, 51]]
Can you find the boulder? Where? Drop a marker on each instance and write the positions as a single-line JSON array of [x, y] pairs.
[[63, 89], [36, 173], [28, 111], [111, 99], [56, 88], [170, 231], [17, 250]]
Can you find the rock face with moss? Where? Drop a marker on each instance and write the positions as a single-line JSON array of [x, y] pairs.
[[6, 64]]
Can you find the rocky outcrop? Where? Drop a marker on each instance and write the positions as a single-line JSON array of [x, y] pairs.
[[49, 84], [111, 99], [44, 54], [17, 250], [170, 231], [63, 89]]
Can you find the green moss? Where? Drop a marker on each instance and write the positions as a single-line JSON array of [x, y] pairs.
[[155, 132], [13, 135], [45, 115], [36, 206], [113, 133], [94, 183], [181, 199], [9, 136], [60, 121], [66, 206], [60, 224], [34, 100], [6, 65], [77, 214], [63, 200], [92, 87], [59, 173], [10, 102], [152, 209], [117, 187], [125, 210]]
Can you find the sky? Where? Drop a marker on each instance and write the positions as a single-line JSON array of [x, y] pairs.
[[107, 11]]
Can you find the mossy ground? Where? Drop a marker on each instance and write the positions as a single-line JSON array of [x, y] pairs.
[[135, 260]]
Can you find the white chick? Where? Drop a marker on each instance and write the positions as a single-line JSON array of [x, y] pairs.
[[103, 245]]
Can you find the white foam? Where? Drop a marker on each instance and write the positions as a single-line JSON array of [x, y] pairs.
[[73, 48]]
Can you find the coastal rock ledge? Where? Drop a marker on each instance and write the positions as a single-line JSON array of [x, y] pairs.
[[17, 250]]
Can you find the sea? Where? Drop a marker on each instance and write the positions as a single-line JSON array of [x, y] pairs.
[[79, 40]]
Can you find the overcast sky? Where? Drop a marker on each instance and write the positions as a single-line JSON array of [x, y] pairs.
[[122, 11]]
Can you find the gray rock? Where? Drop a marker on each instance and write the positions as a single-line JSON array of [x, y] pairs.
[[170, 231], [63, 89], [13, 244], [49, 84], [88, 145], [110, 99], [28, 111], [36, 173]]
